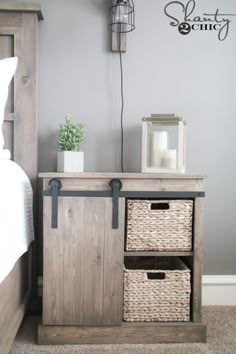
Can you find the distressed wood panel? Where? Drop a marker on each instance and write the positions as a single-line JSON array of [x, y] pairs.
[[25, 97], [118, 42], [15, 8], [53, 277], [72, 213], [93, 262], [10, 20], [197, 260], [16, 287], [18, 33], [113, 266], [103, 263], [14, 296], [79, 258], [127, 333], [105, 175], [130, 182]]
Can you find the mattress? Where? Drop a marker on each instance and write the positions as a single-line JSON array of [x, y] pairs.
[[16, 215]]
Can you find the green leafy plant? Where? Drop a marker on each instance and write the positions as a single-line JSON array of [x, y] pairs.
[[70, 135]]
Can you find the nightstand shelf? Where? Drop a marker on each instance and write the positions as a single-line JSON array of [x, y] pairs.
[[157, 254]]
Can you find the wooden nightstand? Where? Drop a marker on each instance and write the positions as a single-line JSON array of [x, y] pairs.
[[84, 236]]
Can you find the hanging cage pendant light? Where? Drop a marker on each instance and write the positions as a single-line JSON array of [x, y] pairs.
[[121, 16]]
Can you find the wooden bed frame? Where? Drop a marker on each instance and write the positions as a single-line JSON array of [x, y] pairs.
[[18, 37]]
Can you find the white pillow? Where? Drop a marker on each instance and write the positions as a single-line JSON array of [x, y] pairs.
[[7, 70]]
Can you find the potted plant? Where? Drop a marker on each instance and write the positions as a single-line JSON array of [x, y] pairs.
[[70, 137]]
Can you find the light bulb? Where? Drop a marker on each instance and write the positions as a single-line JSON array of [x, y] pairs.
[[120, 12]]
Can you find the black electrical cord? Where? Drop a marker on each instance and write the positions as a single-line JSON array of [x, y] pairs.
[[121, 114]]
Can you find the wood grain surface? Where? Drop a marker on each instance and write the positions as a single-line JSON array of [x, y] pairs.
[[83, 263], [127, 333]]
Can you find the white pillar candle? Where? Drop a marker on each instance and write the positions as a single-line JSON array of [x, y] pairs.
[[168, 159], [159, 143]]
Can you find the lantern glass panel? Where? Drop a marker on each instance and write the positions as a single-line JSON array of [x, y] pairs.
[[163, 144], [162, 149]]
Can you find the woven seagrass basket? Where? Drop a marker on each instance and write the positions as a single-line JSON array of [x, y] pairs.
[[156, 291], [159, 225]]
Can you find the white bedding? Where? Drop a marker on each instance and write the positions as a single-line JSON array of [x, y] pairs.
[[16, 215]]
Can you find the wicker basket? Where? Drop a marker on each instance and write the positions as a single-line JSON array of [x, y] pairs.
[[147, 299], [159, 225]]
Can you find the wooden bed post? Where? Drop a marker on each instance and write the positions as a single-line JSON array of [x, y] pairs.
[[18, 37]]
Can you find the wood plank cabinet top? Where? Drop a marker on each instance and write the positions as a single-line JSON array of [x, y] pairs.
[[148, 182], [89, 175]]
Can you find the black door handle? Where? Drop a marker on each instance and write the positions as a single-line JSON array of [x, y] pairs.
[[116, 186]]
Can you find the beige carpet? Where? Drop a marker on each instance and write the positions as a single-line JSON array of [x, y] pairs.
[[221, 322]]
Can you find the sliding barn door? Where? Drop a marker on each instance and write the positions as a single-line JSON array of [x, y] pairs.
[[83, 263]]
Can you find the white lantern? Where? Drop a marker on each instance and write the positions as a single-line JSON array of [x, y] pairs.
[[163, 144]]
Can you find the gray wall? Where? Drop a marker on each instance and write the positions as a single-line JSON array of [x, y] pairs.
[[164, 71]]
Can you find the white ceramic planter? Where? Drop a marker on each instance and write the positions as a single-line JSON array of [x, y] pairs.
[[70, 161]]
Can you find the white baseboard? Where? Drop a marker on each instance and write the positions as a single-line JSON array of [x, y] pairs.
[[219, 290], [216, 289]]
